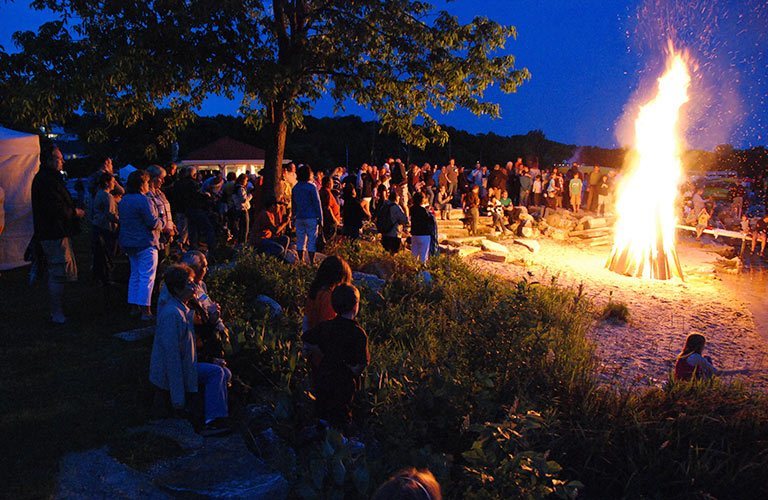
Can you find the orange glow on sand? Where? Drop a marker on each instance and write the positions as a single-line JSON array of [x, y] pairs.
[[644, 240]]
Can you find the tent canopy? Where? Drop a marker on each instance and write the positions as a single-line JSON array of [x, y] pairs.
[[19, 161]]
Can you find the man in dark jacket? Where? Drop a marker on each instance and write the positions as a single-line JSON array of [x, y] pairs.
[[56, 220]]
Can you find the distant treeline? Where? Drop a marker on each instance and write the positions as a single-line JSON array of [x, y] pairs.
[[348, 140]]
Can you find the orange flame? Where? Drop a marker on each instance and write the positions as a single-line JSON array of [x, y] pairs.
[[644, 241]]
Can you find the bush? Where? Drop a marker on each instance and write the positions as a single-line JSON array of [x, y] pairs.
[[616, 312]]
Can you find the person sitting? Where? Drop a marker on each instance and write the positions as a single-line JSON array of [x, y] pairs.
[[174, 366], [690, 364], [269, 231], [210, 332], [410, 484], [702, 221], [496, 209], [759, 234], [333, 271], [338, 352]]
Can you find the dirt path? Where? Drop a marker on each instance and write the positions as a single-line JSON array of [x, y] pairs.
[[662, 313]]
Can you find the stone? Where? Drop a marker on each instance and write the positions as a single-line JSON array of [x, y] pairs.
[[137, 334], [466, 250], [383, 269], [177, 429], [494, 256], [531, 245], [223, 468], [558, 234], [492, 246], [95, 474], [596, 222], [275, 309], [370, 281]]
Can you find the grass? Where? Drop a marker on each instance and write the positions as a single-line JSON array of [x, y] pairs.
[[64, 388], [473, 376]]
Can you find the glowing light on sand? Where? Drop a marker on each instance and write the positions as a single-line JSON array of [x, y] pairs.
[[644, 240]]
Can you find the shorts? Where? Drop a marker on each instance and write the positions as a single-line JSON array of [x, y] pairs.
[[62, 266]]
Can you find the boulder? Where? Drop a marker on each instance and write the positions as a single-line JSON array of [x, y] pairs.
[[558, 234], [369, 281], [596, 222], [137, 334], [492, 246], [495, 256], [466, 250], [381, 268], [275, 309]]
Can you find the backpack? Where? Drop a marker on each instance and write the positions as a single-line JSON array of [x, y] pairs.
[[384, 222]]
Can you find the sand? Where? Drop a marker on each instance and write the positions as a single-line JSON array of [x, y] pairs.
[[642, 352]]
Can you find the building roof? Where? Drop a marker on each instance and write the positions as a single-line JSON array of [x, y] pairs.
[[226, 149]]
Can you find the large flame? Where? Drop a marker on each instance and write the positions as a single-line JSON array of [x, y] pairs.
[[644, 241]]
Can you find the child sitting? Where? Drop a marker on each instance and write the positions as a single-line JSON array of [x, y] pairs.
[[338, 351], [690, 364], [702, 222], [497, 212]]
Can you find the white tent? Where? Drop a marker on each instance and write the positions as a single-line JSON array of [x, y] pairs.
[[19, 161]]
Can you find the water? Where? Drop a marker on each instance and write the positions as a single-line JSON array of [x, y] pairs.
[[751, 286]]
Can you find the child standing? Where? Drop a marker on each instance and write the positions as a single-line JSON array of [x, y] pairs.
[[338, 349]]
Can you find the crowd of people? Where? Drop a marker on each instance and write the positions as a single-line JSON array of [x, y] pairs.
[[160, 210]]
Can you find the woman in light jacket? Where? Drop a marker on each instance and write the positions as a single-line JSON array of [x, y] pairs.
[[139, 238], [173, 364]]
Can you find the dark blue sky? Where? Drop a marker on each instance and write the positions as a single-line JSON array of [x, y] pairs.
[[590, 58]]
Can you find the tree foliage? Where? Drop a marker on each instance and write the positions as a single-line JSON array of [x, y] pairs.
[[402, 59]]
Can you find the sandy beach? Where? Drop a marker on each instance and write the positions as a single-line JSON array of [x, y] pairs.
[[711, 301]]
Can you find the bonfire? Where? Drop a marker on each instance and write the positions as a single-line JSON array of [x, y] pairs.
[[644, 239]]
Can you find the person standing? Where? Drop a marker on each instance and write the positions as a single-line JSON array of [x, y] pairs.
[[241, 206], [472, 208], [595, 178], [574, 190], [452, 174], [162, 207], [423, 226], [399, 184], [602, 195], [55, 221], [389, 218], [331, 210], [525, 186], [139, 238], [307, 213], [104, 225]]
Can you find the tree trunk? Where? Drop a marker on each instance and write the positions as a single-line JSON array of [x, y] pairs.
[[273, 162]]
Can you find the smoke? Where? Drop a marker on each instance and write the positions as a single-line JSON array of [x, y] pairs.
[[725, 43]]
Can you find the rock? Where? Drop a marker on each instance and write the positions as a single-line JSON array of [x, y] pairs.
[[558, 234], [176, 429], [492, 246], [383, 269], [95, 474], [531, 245], [596, 222], [291, 257], [494, 256], [224, 467], [370, 281], [520, 213], [452, 243], [137, 334], [466, 250], [448, 250], [275, 309]]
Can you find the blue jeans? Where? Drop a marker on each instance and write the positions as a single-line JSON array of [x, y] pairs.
[[214, 379], [275, 247]]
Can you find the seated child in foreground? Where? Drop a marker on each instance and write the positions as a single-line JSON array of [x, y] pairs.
[[690, 364], [338, 351]]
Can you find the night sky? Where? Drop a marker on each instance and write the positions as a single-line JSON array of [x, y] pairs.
[[592, 61]]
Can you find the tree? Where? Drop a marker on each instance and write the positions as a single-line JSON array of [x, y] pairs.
[[402, 59]]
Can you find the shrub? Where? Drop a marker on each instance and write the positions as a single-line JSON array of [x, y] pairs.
[[616, 312]]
